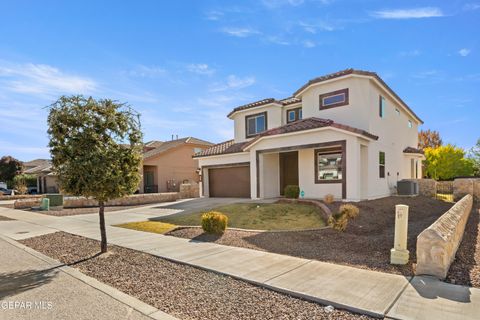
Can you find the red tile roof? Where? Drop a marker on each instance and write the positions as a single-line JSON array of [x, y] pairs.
[[301, 125], [330, 76], [222, 148], [412, 150]]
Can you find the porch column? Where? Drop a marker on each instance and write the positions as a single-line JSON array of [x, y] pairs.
[[141, 187], [254, 174]]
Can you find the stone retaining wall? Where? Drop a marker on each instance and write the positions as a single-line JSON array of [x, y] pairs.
[[437, 245], [464, 186], [189, 190], [82, 202]]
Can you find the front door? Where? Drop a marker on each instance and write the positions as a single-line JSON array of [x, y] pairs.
[[288, 170], [149, 182]]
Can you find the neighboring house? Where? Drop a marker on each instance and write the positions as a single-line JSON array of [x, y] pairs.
[[167, 164], [346, 134], [47, 181]]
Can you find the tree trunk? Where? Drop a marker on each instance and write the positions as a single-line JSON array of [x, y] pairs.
[[103, 232]]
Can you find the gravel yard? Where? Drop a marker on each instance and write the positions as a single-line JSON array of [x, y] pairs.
[[365, 244], [465, 269], [182, 291], [77, 211]]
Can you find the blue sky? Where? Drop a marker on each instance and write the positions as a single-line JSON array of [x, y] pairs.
[[185, 64]]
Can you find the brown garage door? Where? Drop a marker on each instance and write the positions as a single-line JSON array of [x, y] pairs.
[[229, 182]]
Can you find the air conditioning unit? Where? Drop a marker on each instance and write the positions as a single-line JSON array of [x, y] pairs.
[[407, 188]]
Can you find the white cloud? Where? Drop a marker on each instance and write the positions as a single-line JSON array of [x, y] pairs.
[[280, 3], [471, 6], [233, 82], [43, 79], [278, 40], [464, 52], [309, 44], [315, 27], [142, 71], [410, 53], [415, 13], [214, 15], [200, 68], [240, 32]]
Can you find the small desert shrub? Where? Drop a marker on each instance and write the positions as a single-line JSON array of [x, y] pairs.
[[338, 221], [328, 199], [292, 191], [349, 210], [214, 222]]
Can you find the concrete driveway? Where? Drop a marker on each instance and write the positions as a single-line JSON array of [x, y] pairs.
[[153, 211]]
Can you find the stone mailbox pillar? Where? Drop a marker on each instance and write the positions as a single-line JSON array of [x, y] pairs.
[[399, 254]]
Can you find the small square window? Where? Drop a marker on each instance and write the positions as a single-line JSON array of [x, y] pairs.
[[294, 114], [256, 124], [291, 115], [410, 124]]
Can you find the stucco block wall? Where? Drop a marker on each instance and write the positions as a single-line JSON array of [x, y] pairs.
[[464, 186], [438, 244]]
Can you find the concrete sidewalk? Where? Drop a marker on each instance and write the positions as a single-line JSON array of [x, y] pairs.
[[33, 286], [368, 292]]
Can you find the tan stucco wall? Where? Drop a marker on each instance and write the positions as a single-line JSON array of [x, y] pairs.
[[274, 119], [176, 164]]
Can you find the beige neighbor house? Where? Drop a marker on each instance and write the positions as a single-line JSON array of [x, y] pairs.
[[46, 180], [346, 134], [167, 164]]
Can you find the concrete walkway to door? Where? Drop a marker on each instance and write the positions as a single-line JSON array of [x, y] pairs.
[[369, 292]]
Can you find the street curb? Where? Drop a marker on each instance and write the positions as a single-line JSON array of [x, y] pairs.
[[132, 302]]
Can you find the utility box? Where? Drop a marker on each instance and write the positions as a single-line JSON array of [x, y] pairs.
[[56, 200], [45, 205], [399, 254]]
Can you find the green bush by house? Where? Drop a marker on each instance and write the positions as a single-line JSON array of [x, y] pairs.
[[214, 222], [292, 191]]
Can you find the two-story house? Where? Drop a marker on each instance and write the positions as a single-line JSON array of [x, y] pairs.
[[346, 134]]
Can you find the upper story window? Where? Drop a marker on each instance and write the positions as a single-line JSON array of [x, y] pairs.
[[197, 150], [397, 112], [294, 114], [255, 124], [381, 107], [334, 99], [410, 124]]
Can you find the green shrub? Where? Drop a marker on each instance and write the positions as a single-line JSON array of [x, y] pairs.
[[292, 191], [349, 210], [328, 199], [214, 222], [56, 200]]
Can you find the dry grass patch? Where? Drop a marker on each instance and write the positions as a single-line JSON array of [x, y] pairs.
[[148, 226]]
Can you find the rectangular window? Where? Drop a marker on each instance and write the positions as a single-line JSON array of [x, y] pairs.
[[294, 115], [381, 164], [334, 99], [328, 164], [256, 124], [397, 111], [197, 150], [381, 107], [410, 124]]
